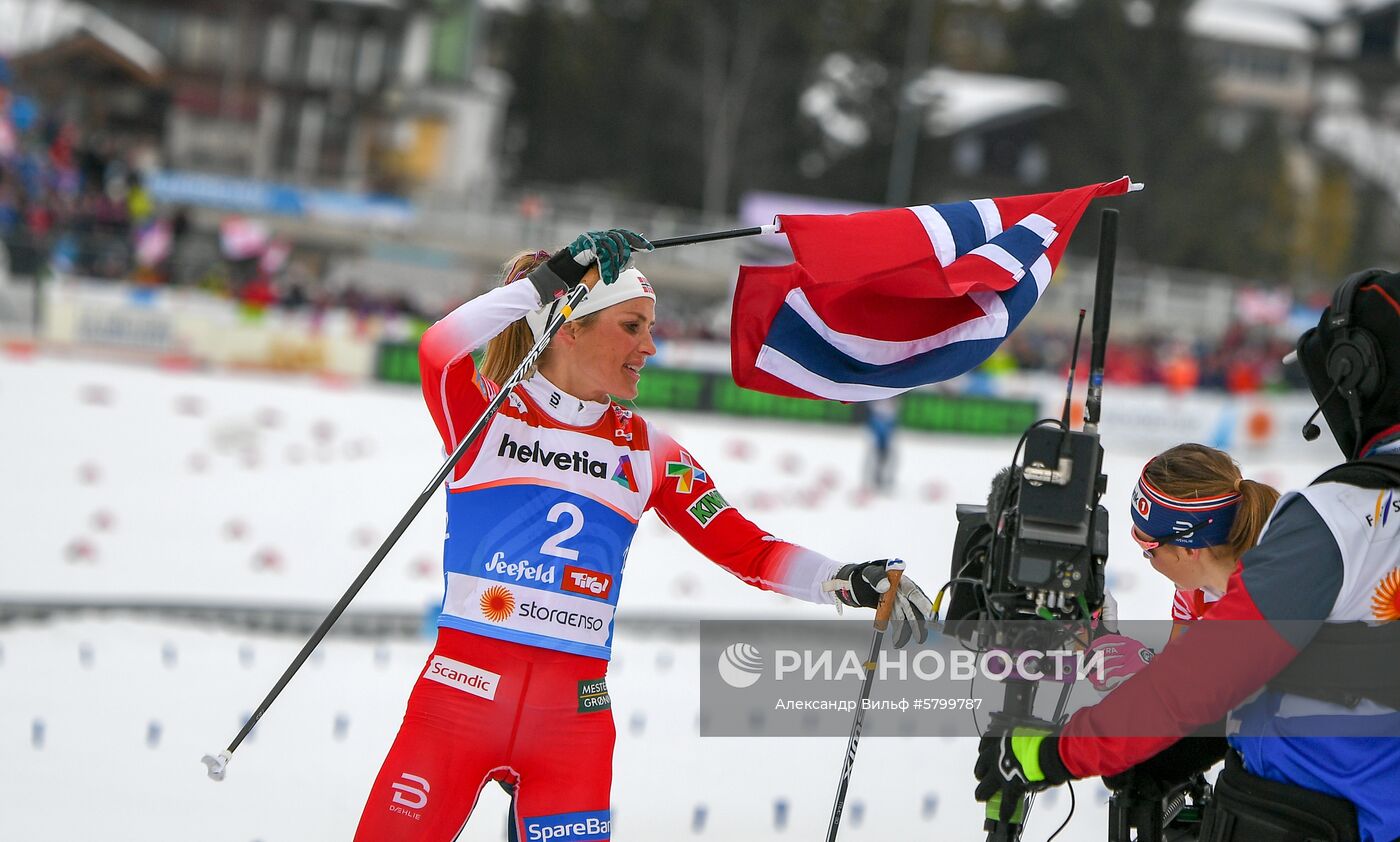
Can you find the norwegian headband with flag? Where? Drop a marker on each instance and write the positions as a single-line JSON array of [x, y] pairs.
[[880, 302]]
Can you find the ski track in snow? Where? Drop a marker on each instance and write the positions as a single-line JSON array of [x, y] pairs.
[[131, 484]]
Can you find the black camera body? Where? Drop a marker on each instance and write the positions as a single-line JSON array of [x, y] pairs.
[[1040, 544]]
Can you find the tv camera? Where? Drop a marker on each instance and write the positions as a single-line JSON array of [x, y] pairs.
[[1028, 567]]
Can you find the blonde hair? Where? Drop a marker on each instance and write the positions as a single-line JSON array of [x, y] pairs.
[[1190, 471], [508, 349]]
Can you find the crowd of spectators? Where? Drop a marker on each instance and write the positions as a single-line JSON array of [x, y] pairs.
[[1244, 359], [77, 204], [66, 201]]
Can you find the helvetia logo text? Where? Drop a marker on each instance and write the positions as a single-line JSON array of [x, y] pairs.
[[497, 603], [410, 795], [464, 677], [740, 665], [586, 582], [576, 461]]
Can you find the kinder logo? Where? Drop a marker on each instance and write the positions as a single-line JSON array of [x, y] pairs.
[[410, 797], [464, 677], [707, 507], [519, 570], [586, 582], [577, 461], [594, 826]]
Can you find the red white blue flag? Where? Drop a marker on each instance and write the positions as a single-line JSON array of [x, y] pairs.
[[880, 302]]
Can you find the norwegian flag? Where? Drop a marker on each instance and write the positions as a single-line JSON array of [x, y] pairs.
[[880, 302]]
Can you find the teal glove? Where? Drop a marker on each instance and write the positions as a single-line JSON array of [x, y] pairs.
[[1015, 762], [611, 250]]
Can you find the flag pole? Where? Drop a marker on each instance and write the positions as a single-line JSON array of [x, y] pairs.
[[688, 239]]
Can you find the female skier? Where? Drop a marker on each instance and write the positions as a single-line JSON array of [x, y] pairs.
[[541, 512]]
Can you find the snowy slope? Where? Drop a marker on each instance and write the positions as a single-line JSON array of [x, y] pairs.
[[126, 484], [102, 723], [129, 483]]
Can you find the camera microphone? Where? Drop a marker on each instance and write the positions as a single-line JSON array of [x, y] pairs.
[[1006, 479]]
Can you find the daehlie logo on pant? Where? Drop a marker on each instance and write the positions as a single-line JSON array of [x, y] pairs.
[[464, 677], [577, 461], [410, 797]]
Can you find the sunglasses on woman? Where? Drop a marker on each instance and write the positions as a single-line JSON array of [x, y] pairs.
[[1149, 544]]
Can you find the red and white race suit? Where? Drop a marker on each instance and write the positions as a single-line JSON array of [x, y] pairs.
[[541, 512]]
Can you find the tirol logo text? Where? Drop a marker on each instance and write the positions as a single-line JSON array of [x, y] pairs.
[[522, 569], [586, 582], [577, 461], [709, 505]]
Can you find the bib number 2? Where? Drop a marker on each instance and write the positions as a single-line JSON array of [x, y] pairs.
[[554, 545]]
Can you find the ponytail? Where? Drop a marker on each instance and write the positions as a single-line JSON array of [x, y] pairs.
[[507, 350], [1194, 471], [1256, 502]]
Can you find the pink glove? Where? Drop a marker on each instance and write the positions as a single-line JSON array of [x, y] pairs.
[[1122, 657]]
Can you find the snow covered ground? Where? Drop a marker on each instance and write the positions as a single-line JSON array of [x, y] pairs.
[[127, 484]]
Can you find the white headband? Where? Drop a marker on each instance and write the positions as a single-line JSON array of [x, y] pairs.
[[629, 285]]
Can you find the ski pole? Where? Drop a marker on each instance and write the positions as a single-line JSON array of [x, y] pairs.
[[894, 570], [667, 242]]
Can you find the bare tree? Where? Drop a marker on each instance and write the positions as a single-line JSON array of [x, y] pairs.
[[733, 40]]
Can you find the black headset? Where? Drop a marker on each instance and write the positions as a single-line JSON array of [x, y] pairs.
[[1354, 363]]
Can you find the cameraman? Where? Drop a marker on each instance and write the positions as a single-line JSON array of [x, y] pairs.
[[1301, 651]]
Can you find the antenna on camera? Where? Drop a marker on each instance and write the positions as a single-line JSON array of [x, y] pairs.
[[1073, 367]]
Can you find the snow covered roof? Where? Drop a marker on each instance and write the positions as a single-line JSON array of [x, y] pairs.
[[957, 101], [43, 24], [1254, 23]]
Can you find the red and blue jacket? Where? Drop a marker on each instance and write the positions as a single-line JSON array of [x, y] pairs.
[[542, 509], [1329, 554]]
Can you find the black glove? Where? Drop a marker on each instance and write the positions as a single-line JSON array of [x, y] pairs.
[[611, 250], [1015, 762], [860, 586]]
